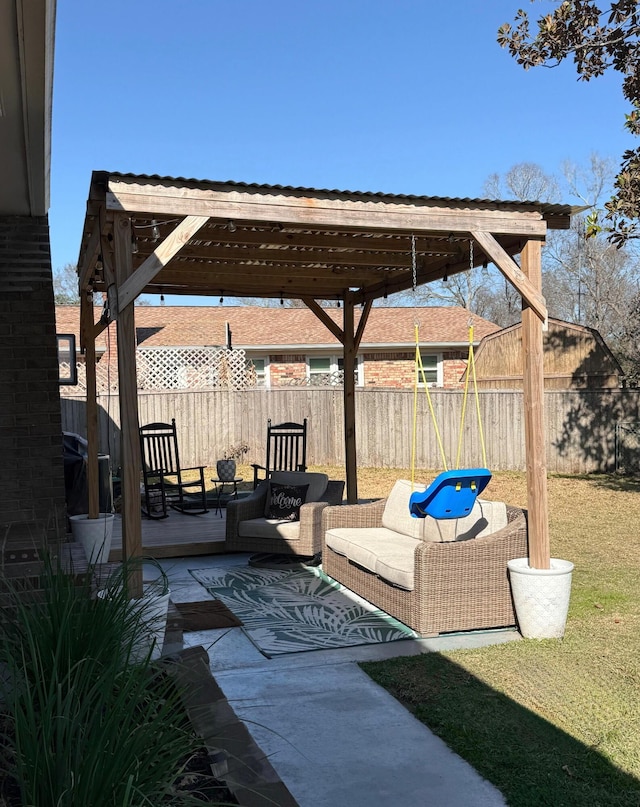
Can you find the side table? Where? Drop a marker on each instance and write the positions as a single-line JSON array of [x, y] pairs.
[[220, 483]]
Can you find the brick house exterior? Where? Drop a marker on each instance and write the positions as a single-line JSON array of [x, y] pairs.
[[32, 507], [291, 347]]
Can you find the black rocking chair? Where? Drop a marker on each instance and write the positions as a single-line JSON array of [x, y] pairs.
[[286, 450], [164, 480]]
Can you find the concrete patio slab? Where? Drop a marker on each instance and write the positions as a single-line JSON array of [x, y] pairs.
[[333, 735]]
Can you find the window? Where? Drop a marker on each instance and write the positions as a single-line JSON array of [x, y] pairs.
[[326, 371], [320, 371], [258, 368], [432, 366], [67, 370]]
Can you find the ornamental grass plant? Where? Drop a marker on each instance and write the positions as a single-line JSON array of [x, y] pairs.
[[80, 724]]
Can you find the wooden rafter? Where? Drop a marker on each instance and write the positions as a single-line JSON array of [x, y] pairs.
[[172, 244]]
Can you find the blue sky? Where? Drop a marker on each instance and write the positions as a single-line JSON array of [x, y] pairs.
[[398, 96]]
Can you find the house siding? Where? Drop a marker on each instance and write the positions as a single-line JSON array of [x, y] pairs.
[[32, 505]]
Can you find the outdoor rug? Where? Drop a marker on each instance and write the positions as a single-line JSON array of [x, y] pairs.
[[206, 615], [294, 611]]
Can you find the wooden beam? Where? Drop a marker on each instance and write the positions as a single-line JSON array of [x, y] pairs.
[[349, 391], [324, 318], [510, 269], [93, 437], [133, 286], [128, 395], [533, 397], [320, 210], [382, 243], [180, 270], [363, 323], [88, 257], [326, 258]]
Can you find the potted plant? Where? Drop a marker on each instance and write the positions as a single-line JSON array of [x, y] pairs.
[[226, 467]]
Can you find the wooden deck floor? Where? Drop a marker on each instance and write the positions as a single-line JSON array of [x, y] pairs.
[[177, 536]]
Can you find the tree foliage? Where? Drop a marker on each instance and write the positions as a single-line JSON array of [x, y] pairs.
[[597, 39], [65, 285]]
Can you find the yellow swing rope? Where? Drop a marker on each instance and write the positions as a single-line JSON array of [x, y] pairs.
[[471, 370], [419, 372]]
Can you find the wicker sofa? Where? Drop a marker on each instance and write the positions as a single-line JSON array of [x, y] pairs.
[[250, 530], [435, 576]]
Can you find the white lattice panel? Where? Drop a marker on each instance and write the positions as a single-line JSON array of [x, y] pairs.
[[191, 368], [174, 369]]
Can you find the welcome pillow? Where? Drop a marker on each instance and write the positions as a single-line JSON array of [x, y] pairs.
[[285, 501]]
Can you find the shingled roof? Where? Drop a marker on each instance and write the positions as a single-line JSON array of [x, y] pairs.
[[276, 328]]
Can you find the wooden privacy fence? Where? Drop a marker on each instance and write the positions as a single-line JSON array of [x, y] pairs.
[[580, 425]]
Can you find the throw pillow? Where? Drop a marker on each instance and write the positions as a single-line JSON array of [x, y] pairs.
[[285, 501]]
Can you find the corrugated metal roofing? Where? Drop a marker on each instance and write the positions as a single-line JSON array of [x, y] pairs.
[[545, 207]]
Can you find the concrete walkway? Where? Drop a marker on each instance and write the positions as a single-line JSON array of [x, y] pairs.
[[333, 735]]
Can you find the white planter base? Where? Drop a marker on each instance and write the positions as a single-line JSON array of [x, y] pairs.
[[152, 608], [541, 597], [94, 534]]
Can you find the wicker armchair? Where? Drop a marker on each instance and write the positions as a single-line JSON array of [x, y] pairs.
[[248, 529], [457, 585]]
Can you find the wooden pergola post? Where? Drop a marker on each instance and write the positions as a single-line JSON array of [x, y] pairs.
[[128, 396], [349, 395], [89, 345], [533, 376]]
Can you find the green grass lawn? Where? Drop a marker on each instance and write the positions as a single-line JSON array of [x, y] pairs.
[[554, 722]]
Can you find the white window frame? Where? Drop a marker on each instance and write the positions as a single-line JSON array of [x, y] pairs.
[[334, 366], [267, 377], [439, 382]]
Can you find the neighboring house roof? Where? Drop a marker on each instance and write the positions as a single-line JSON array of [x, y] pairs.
[[262, 328]]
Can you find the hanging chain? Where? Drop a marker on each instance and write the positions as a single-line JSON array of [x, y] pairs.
[[414, 267], [471, 253]]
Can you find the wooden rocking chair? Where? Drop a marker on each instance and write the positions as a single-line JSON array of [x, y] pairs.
[[164, 482], [286, 450]]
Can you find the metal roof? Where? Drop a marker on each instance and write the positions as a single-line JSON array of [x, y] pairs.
[[235, 239]]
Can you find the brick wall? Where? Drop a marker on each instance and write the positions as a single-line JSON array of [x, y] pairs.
[[454, 363], [32, 505], [393, 369], [284, 369], [396, 369]]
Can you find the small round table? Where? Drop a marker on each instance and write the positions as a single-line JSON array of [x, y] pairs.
[[220, 483]]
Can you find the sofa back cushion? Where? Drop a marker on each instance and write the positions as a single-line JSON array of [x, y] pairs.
[[396, 514], [486, 517]]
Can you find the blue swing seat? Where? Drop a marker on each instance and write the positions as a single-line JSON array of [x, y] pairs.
[[452, 494]]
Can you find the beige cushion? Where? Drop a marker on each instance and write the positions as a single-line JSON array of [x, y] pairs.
[[485, 518], [269, 528], [317, 484], [378, 550], [362, 545], [396, 514], [397, 564]]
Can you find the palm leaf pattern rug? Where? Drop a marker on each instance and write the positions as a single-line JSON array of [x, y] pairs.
[[293, 611]]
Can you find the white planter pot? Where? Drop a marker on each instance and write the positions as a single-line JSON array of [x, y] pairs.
[[94, 534], [152, 609], [541, 597]]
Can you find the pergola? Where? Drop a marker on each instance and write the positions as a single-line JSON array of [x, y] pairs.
[[164, 235]]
